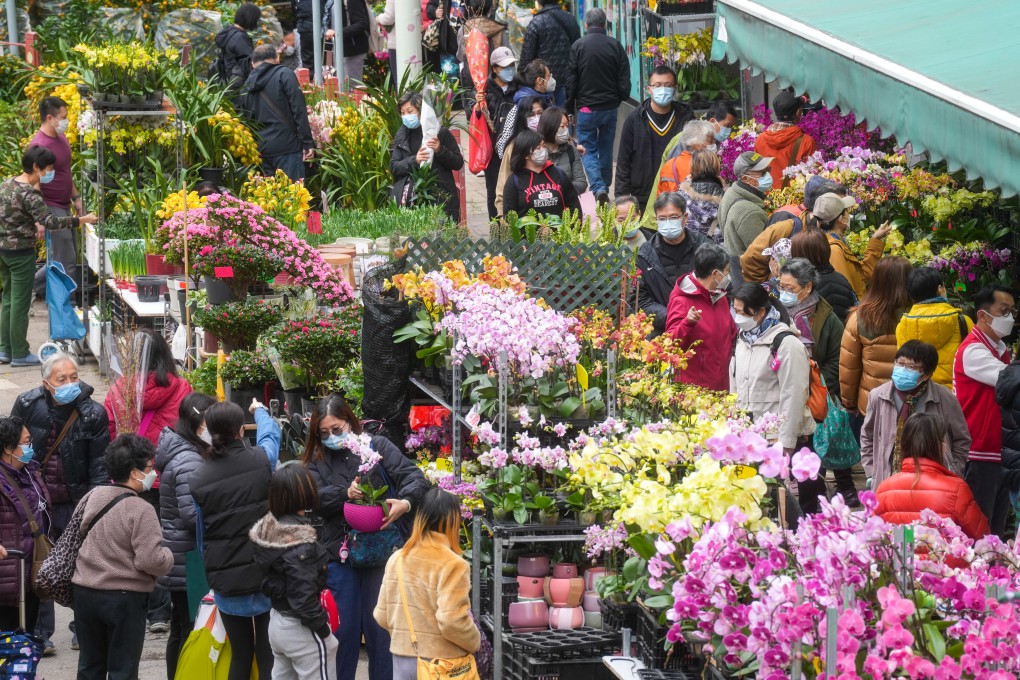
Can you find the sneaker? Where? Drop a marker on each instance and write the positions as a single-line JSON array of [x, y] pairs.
[[850, 498], [74, 642], [30, 360], [49, 649], [159, 627], [5, 357], [602, 198]]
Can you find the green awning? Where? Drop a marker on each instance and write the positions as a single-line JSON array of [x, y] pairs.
[[943, 75]]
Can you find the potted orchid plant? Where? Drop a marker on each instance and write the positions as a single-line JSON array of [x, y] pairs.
[[368, 513]]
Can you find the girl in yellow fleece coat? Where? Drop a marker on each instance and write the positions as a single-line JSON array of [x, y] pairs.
[[933, 320]]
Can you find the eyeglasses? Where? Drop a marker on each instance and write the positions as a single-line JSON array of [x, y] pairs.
[[335, 430]]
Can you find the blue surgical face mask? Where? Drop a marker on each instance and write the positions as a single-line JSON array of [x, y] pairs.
[[65, 394], [48, 177], [788, 299], [723, 134], [334, 441], [671, 229], [765, 182], [631, 234], [26, 454], [663, 95], [905, 379], [507, 74], [410, 121]]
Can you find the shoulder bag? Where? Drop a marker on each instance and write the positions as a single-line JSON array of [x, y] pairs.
[[834, 439], [53, 582], [41, 543], [368, 550], [460, 668], [60, 438], [818, 395]]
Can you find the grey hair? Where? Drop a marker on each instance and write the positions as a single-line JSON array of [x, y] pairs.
[[595, 17], [668, 198], [51, 362], [801, 269], [695, 132]]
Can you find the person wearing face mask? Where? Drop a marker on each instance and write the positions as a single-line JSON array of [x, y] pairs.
[[980, 360], [723, 118], [697, 135], [910, 391], [119, 560], [23, 510], [549, 37], [442, 153], [534, 84], [60, 194], [499, 101], [289, 57], [703, 191], [699, 317], [832, 214], [535, 183], [646, 133], [178, 455], [742, 209], [25, 219], [628, 221], [231, 492], [335, 466], [234, 63], [536, 106], [784, 140], [554, 127], [70, 434], [933, 319], [665, 257]]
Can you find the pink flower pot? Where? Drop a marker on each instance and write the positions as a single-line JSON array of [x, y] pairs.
[[530, 587], [566, 592], [566, 618], [533, 565], [565, 570], [590, 603], [367, 518], [593, 576], [528, 615]]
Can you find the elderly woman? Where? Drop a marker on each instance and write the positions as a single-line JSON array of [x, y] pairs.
[[703, 191], [697, 135], [23, 501], [24, 219]]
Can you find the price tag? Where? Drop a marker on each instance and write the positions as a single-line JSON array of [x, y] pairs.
[[223, 272], [314, 222]]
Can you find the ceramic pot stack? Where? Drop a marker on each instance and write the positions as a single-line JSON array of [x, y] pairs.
[[564, 592], [530, 614], [590, 603]]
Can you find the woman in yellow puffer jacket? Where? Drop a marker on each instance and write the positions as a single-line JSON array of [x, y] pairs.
[[933, 320]]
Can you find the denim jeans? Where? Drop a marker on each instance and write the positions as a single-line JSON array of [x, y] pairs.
[[560, 96], [596, 132], [291, 164], [356, 592]]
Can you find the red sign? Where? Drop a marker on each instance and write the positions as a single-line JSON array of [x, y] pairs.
[[314, 222], [223, 272]]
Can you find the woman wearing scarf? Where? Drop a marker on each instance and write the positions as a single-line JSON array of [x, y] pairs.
[[535, 83]]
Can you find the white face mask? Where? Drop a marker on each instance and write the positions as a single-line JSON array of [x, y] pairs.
[[148, 480], [205, 436], [540, 156], [563, 136], [61, 126], [745, 323], [533, 121], [1002, 325]]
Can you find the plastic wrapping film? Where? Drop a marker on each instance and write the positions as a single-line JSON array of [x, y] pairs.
[[50, 7], [269, 31], [122, 24], [195, 27], [517, 19], [24, 25]]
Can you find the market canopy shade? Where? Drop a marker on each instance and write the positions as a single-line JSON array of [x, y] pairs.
[[943, 75]]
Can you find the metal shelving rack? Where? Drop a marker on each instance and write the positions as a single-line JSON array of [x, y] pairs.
[[102, 115]]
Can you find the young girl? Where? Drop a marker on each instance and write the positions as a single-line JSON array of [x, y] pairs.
[[294, 565]]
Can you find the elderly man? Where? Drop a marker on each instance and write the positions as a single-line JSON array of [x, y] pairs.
[[70, 433]]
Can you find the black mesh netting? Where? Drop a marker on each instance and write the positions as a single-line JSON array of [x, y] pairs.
[[386, 364]]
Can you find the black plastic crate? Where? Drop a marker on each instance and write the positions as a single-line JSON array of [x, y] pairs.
[[656, 674], [616, 617], [523, 667], [668, 10], [651, 639], [553, 645], [488, 593]]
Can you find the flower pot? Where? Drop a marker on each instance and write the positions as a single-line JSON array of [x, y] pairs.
[[308, 404], [586, 518], [242, 397], [214, 175], [549, 518], [499, 514], [220, 292], [565, 570], [211, 343], [565, 592], [367, 518], [531, 587], [292, 399], [156, 265], [528, 615], [565, 618], [590, 601], [150, 288], [593, 620], [593, 576], [533, 565]]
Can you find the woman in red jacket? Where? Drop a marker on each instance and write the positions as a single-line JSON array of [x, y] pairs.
[[699, 316], [925, 483]]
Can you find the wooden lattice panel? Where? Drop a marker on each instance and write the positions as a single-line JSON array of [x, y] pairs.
[[568, 277]]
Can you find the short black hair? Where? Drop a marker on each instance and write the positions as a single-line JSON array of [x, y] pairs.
[[709, 257], [10, 432], [411, 97], [921, 352], [719, 110], [535, 70], [50, 106], [985, 298], [37, 157], [923, 283], [662, 70], [126, 453], [263, 53], [549, 123], [191, 415], [247, 16], [223, 420], [292, 489], [754, 296], [525, 143], [206, 188]]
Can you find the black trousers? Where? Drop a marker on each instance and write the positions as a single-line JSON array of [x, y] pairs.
[[180, 628], [491, 177], [304, 29], [111, 632], [987, 481], [249, 640], [10, 618]]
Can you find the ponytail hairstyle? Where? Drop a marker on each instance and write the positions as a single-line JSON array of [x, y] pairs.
[[223, 420], [922, 437], [439, 511], [190, 417], [333, 405]]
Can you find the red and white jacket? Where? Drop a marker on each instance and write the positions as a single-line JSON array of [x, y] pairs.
[[976, 367]]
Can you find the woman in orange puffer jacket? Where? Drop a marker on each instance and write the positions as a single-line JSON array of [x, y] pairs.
[[924, 483]]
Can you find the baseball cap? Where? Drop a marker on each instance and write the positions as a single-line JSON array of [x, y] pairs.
[[786, 104], [750, 161], [830, 206], [502, 56]]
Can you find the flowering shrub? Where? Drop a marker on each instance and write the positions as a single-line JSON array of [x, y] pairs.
[[174, 203], [247, 370], [971, 262], [320, 346], [832, 131], [239, 324], [248, 264], [286, 200]]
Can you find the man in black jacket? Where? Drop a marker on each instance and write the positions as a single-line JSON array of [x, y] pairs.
[[273, 97], [549, 36], [598, 80], [303, 19], [646, 133], [499, 100]]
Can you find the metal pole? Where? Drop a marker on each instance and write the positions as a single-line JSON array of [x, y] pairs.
[[12, 27], [501, 416], [455, 431], [476, 562], [101, 233], [407, 17], [317, 41], [338, 45]]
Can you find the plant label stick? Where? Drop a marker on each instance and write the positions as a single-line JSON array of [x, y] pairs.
[[314, 222]]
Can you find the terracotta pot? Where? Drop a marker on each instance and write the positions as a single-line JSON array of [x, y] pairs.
[[530, 587], [565, 592], [590, 602], [593, 576], [528, 615], [566, 618], [565, 570], [367, 518], [533, 565]]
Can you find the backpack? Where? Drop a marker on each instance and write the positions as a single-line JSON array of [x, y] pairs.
[[818, 395]]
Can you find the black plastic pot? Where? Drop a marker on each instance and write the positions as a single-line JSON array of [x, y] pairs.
[[242, 397], [214, 175], [219, 292]]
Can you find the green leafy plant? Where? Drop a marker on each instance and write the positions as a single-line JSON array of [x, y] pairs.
[[239, 324], [247, 370], [417, 222], [121, 226], [203, 378], [128, 260], [16, 124], [250, 264], [320, 346], [350, 382]]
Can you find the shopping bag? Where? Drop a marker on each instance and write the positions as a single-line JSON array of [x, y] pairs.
[[480, 144], [64, 322], [328, 603], [198, 587], [834, 439], [205, 655]]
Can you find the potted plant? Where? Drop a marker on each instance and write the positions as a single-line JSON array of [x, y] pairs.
[[238, 324], [245, 375], [318, 347], [230, 269], [368, 513]]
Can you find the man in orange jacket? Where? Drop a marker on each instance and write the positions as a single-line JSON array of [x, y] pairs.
[[784, 140]]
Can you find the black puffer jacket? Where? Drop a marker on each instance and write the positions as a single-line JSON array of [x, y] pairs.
[[235, 53], [334, 473], [277, 136], [176, 460], [656, 283], [836, 290], [355, 25], [232, 493], [599, 73], [80, 459], [294, 566], [1007, 394], [548, 37]]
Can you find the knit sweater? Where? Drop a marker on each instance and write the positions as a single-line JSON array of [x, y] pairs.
[[437, 587], [124, 550]]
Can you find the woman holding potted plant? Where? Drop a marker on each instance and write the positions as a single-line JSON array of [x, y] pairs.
[[348, 468]]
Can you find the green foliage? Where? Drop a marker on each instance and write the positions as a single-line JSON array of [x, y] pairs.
[[78, 23], [239, 324], [416, 222], [247, 370], [203, 378], [122, 226], [15, 125], [350, 382], [13, 76]]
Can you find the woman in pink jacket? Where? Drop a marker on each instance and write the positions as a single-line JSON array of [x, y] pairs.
[[699, 317]]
